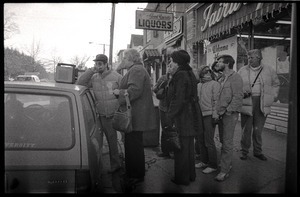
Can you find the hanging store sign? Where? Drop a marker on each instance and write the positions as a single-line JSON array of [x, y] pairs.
[[154, 21], [227, 46], [177, 30], [218, 18]]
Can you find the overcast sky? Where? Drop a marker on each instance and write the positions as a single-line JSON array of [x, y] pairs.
[[65, 29]]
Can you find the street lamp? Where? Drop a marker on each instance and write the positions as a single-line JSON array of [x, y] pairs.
[[100, 44]]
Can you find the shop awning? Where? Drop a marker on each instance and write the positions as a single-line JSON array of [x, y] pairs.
[[249, 11], [151, 54]]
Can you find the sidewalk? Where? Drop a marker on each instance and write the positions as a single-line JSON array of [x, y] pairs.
[[250, 176]]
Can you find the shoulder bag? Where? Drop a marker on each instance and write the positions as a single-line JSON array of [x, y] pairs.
[[122, 119], [172, 138]]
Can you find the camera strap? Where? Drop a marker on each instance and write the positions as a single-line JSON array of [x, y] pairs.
[[256, 77]]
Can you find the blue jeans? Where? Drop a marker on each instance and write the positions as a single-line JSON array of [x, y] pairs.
[[226, 131], [205, 144], [253, 123], [112, 140]]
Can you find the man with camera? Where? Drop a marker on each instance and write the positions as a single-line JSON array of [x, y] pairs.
[[261, 87]]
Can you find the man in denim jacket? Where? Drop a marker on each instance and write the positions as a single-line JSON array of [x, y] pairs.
[[228, 107], [103, 81]]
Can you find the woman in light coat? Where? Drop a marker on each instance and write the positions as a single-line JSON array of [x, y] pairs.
[[138, 85]]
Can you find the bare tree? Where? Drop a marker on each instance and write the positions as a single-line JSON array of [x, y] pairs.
[[10, 27], [34, 51], [80, 61]]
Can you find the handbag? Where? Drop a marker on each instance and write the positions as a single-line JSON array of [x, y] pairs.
[[161, 93], [172, 138], [122, 119]]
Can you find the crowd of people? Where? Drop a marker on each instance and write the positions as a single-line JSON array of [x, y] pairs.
[[195, 104]]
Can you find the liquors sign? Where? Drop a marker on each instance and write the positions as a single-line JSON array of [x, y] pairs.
[[154, 21]]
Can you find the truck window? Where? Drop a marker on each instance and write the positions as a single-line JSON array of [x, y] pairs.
[[35, 121]]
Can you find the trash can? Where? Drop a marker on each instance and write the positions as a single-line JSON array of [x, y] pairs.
[[151, 138]]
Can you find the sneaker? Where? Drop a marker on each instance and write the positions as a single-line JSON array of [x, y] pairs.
[[261, 157], [201, 165], [209, 170], [221, 176]]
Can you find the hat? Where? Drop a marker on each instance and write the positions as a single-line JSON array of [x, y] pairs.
[[101, 57], [181, 57]]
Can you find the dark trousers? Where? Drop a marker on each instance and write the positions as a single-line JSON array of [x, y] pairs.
[[134, 155], [253, 125], [184, 161], [163, 138]]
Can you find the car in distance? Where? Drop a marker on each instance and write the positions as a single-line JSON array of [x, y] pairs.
[[33, 78], [53, 141]]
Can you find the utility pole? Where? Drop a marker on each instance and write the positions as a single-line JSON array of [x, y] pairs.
[[112, 25]]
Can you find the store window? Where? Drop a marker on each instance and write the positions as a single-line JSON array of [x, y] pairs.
[[155, 33], [148, 36], [273, 36]]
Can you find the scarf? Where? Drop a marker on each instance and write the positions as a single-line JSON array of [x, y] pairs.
[[206, 79]]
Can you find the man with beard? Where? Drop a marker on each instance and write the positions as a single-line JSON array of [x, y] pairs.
[[229, 105]]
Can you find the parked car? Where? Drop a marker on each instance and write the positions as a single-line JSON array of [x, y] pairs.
[[33, 78], [53, 141]]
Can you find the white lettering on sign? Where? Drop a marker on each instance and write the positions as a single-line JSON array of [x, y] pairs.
[[154, 21], [211, 17], [19, 145]]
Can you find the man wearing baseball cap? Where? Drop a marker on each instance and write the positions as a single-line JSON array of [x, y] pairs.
[[103, 81]]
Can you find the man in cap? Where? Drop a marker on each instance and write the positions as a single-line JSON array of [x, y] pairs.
[[103, 81], [261, 87]]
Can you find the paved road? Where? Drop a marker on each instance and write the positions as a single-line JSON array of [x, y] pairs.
[[250, 176]]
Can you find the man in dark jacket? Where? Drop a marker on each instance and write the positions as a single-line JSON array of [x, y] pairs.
[[160, 89]]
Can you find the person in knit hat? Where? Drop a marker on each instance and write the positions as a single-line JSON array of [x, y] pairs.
[[208, 93], [183, 112]]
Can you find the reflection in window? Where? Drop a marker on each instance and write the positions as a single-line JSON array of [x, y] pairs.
[[37, 121]]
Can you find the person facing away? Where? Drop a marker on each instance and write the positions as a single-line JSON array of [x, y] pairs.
[[137, 82], [259, 95], [229, 105], [208, 93], [103, 81], [160, 89], [183, 112]]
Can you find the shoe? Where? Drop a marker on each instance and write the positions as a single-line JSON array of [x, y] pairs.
[[201, 165], [209, 170], [221, 176], [244, 156], [261, 157], [179, 183], [163, 155]]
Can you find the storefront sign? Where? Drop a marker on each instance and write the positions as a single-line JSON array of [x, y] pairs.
[[225, 9], [227, 46], [154, 21], [177, 30]]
